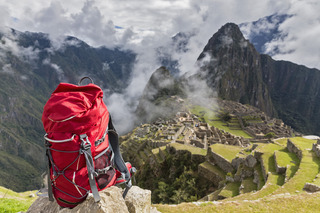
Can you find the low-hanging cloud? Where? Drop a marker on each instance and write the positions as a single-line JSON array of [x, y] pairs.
[[9, 43]]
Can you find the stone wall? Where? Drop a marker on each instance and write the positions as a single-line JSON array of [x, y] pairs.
[[197, 143], [309, 187], [316, 148], [211, 176], [279, 169], [156, 144], [220, 161], [258, 155], [294, 149], [162, 155]]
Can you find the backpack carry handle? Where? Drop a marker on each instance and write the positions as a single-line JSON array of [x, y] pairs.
[[86, 77]]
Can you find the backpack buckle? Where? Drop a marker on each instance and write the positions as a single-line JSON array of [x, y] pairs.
[[85, 145]]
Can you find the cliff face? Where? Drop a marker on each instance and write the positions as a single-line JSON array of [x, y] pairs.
[[233, 67], [282, 89], [295, 93]]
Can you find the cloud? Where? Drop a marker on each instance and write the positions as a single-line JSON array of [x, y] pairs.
[[300, 32], [56, 68], [7, 69], [9, 44]]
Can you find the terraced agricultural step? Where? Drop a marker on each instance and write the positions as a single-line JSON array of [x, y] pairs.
[[235, 128], [158, 158], [273, 183], [143, 156], [274, 180], [211, 172], [211, 197], [160, 153], [316, 180], [134, 145], [230, 190], [247, 185], [308, 168], [286, 163], [148, 152]]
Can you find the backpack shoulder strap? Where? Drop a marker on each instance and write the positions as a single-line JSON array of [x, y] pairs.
[[118, 160]]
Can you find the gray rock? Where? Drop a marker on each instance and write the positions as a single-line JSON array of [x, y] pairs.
[[309, 187], [250, 161], [137, 200]]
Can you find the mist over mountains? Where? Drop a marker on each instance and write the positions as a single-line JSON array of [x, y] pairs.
[[229, 67]]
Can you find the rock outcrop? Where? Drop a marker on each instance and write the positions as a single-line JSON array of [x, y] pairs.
[[137, 200]]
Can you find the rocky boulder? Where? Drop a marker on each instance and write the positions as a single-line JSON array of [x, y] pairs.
[[137, 200]]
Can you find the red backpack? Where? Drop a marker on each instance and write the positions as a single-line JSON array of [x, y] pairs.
[[81, 145]]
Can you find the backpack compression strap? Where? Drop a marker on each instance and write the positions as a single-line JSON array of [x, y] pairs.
[[118, 160], [86, 150]]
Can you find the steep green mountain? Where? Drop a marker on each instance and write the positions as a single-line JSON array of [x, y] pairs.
[[234, 68], [31, 67], [160, 97]]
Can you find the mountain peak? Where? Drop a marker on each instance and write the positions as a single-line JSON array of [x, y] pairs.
[[232, 66], [232, 30], [228, 37]]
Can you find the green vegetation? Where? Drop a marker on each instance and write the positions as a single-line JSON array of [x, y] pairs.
[[209, 116], [13, 205], [18, 174], [296, 203], [303, 143], [267, 156], [270, 135], [230, 190], [156, 150], [289, 160], [215, 169], [11, 201], [229, 152], [193, 150], [261, 178], [248, 185], [274, 180], [226, 117], [175, 179], [307, 171], [281, 141]]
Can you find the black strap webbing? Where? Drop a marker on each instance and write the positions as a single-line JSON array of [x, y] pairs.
[[86, 150], [50, 194], [48, 154], [118, 160]]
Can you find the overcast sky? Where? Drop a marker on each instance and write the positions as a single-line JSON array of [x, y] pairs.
[[143, 25], [98, 22]]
